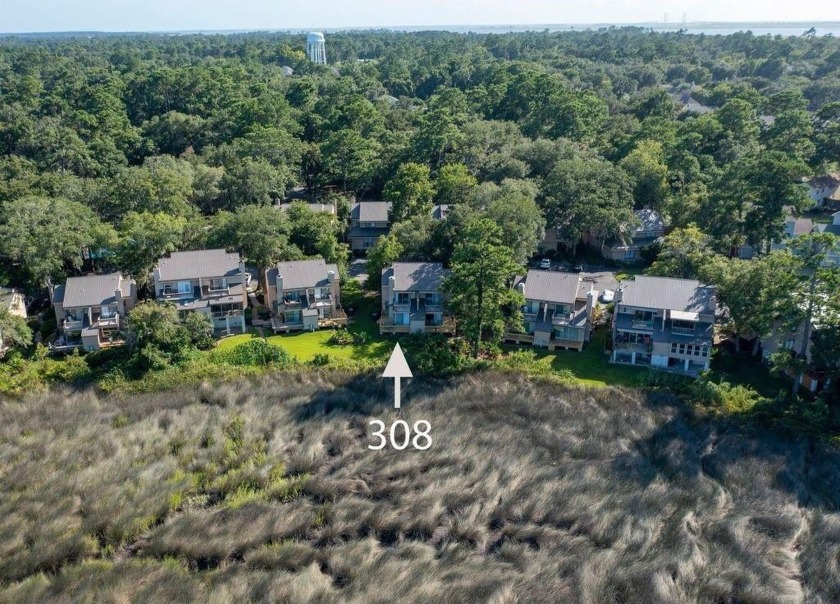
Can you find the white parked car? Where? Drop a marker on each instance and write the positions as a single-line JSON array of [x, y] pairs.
[[545, 263], [607, 296]]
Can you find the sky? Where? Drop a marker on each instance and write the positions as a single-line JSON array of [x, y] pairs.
[[190, 15]]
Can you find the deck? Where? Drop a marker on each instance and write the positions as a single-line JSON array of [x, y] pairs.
[[446, 328], [553, 344]]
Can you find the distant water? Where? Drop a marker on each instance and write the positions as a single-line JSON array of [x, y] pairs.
[[822, 28]]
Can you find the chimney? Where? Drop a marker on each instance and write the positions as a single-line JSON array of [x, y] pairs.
[[591, 297], [118, 296], [279, 282], [242, 271], [331, 277], [520, 287]]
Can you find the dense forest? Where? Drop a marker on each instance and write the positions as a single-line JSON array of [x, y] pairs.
[[128, 147]]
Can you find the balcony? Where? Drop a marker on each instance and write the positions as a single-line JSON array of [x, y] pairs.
[[561, 318], [385, 327], [682, 331], [72, 324], [107, 322], [221, 314], [529, 313], [639, 324]]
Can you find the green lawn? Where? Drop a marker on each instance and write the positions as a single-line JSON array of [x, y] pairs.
[[590, 366], [628, 272], [305, 345]]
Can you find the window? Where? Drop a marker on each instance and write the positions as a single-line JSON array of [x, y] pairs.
[[108, 311], [293, 316], [217, 284], [695, 350], [532, 307], [631, 337], [434, 318], [179, 287], [367, 242], [644, 316], [433, 299], [221, 311], [789, 344], [629, 254], [76, 314], [402, 298], [401, 318]]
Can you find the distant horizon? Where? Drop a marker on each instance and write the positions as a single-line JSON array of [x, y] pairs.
[[451, 27]]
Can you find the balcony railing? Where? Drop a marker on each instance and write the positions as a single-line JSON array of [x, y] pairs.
[[73, 324], [107, 322], [561, 318], [221, 314], [639, 324], [682, 331]]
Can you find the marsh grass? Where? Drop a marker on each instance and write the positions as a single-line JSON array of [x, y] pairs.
[[533, 491]]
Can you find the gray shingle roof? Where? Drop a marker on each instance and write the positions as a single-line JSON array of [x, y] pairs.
[[551, 286], [300, 274], [801, 226], [666, 293], [648, 220], [318, 208], [198, 264], [373, 233], [416, 276], [370, 211], [94, 290]]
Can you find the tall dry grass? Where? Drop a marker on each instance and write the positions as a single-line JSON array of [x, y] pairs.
[[532, 492]]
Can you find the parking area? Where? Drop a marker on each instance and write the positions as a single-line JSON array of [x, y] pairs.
[[600, 277], [601, 280]]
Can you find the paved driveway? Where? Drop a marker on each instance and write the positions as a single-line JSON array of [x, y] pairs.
[[358, 270], [601, 280]]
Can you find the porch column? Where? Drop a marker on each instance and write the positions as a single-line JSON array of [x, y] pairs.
[[686, 364], [632, 358]]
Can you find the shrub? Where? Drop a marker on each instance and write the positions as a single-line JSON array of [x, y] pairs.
[[49, 325], [433, 354], [321, 360], [72, 368], [257, 352], [200, 328], [340, 337], [728, 397]]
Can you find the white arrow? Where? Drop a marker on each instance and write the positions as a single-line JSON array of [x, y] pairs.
[[397, 368]]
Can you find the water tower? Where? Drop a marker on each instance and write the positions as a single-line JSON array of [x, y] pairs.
[[316, 50]]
